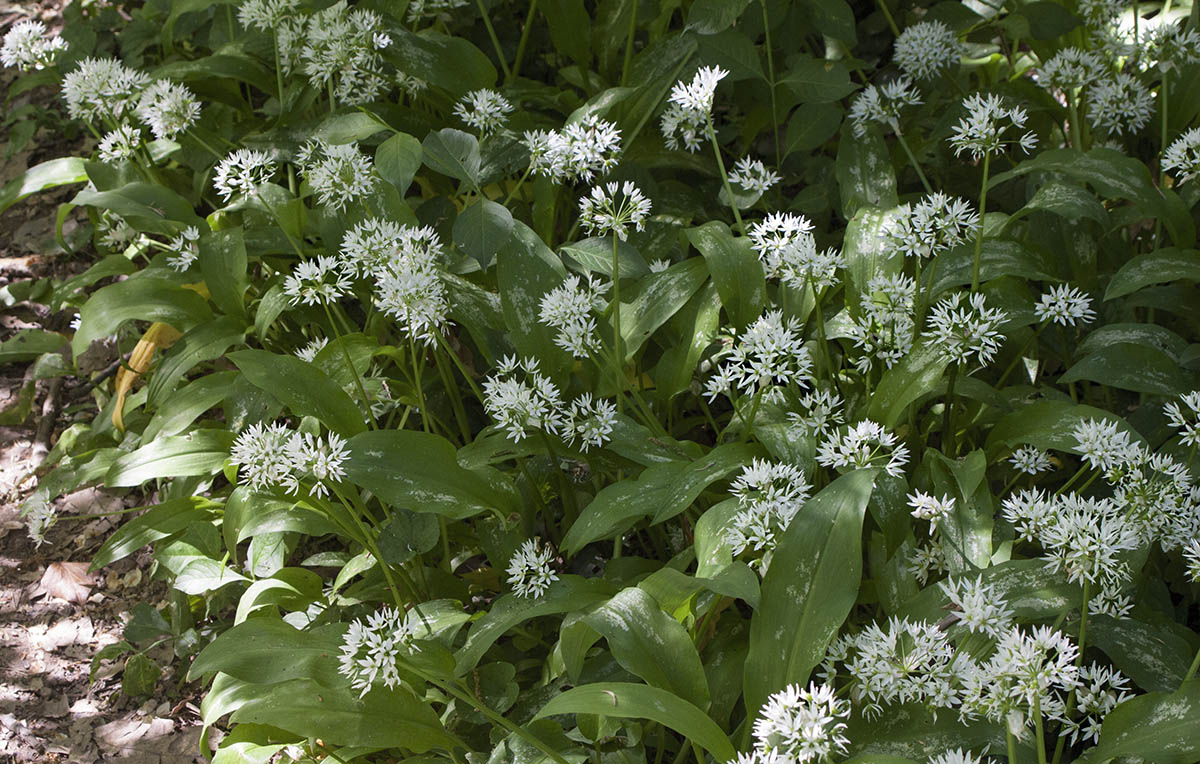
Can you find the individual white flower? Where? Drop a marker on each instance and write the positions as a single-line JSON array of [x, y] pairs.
[[1191, 557], [864, 444], [966, 333], [309, 352], [521, 405], [318, 459], [612, 208], [590, 422], [102, 89], [933, 225], [980, 607], [339, 175], [926, 49], [883, 104], [579, 151], [529, 571], [753, 176], [1065, 305], [984, 130], [370, 649], [120, 144], [341, 48], [167, 108], [660, 265], [822, 413], [260, 451], [1030, 460], [26, 46], [1102, 444], [569, 308], [485, 110], [1186, 422], [1111, 602], [926, 506], [690, 109], [408, 281], [768, 356], [40, 516], [955, 756], [266, 15], [1071, 69], [1183, 156], [185, 249], [1120, 104], [242, 172], [801, 725], [318, 281]]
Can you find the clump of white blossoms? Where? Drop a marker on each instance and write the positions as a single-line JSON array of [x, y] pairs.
[[926, 506], [769, 495], [167, 108], [319, 281], [865, 444], [39, 515], [403, 261], [690, 109], [242, 172], [882, 104], [272, 456], [985, 130], [753, 176], [1064, 305], [1103, 445], [185, 249], [612, 208], [1030, 460], [965, 330], [484, 109], [341, 51], [534, 402], [926, 49], [1182, 157], [266, 15], [26, 46], [821, 411], [767, 357], [1191, 558], [309, 352], [433, 10], [529, 571], [338, 175], [979, 606], [1071, 69], [569, 308], [579, 151], [1100, 689], [1120, 104], [370, 649], [932, 226], [788, 251], [591, 421], [885, 327], [1156, 494], [120, 144], [955, 756], [1171, 47], [801, 725], [1185, 418], [102, 89]]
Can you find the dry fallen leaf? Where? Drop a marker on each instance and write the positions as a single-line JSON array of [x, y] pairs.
[[68, 581]]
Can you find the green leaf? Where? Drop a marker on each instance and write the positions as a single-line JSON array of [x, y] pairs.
[[482, 229], [56, 172], [997, 258], [453, 153], [1157, 267], [660, 492], [909, 732], [917, 375], [205, 342], [815, 80], [28, 344], [811, 127], [450, 63], [418, 471], [1150, 654], [340, 129], [734, 52], [1047, 425], [594, 255], [864, 173], [651, 644], [1065, 200], [223, 262], [712, 16], [625, 700], [657, 297], [569, 26], [140, 676], [867, 251], [1158, 726], [526, 269], [302, 388], [397, 160], [178, 412], [140, 299], [146, 206], [809, 589], [200, 452], [834, 18], [406, 535], [157, 522], [735, 270], [1033, 592], [1140, 368], [697, 323], [269, 651]]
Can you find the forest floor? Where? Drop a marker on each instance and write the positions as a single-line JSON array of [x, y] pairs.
[[54, 615]]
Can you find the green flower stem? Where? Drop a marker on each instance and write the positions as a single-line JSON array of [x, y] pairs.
[[495, 718], [278, 73], [517, 187], [912, 159], [362, 392], [618, 358], [460, 413], [1076, 128], [1061, 744], [1191, 672], [822, 342], [1164, 91], [888, 15], [458, 362], [1012, 745], [373, 548], [987, 158], [205, 145], [1038, 731], [753, 415], [629, 44], [712, 138], [771, 82], [570, 506], [416, 366], [487, 22], [516, 67], [948, 415]]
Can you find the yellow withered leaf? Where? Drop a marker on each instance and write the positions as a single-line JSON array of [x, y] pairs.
[[159, 335]]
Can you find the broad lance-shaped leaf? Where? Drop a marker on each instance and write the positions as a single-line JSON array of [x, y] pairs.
[[1159, 727], [1128, 366], [660, 492], [526, 270], [140, 299], [639, 701], [655, 298], [418, 471], [809, 589], [917, 374], [1048, 425], [1157, 267], [201, 452], [735, 270], [269, 651], [1154, 656], [302, 388], [56, 172]]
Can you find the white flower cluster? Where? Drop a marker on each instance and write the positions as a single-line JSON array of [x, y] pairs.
[[370, 649], [308, 353], [1183, 156], [926, 49], [1119, 104], [882, 104], [612, 208], [185, 249], [690, 109], [536, 403], [569, 308], [788, 251], [1157, 494], [272, 456], [926, 506], [767, 357], [965, 330], [102, 89], [800, 725], [529, 571], [1071, 69], [579, 151], [1065, 305], [885, 327], [978, 606], [317, 281], [242, 172], [932, 226], [120, 144], [1103, 444], [339, 175], [1030, 460], [40, 516], [436, 10], [864, 444], [1185, 418], [1171, 47], [984, 130], [340, 50], [753, 176], [26, 46], [167, 108], [821, 413], [769, 495], [266, 15], [484, 109]]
